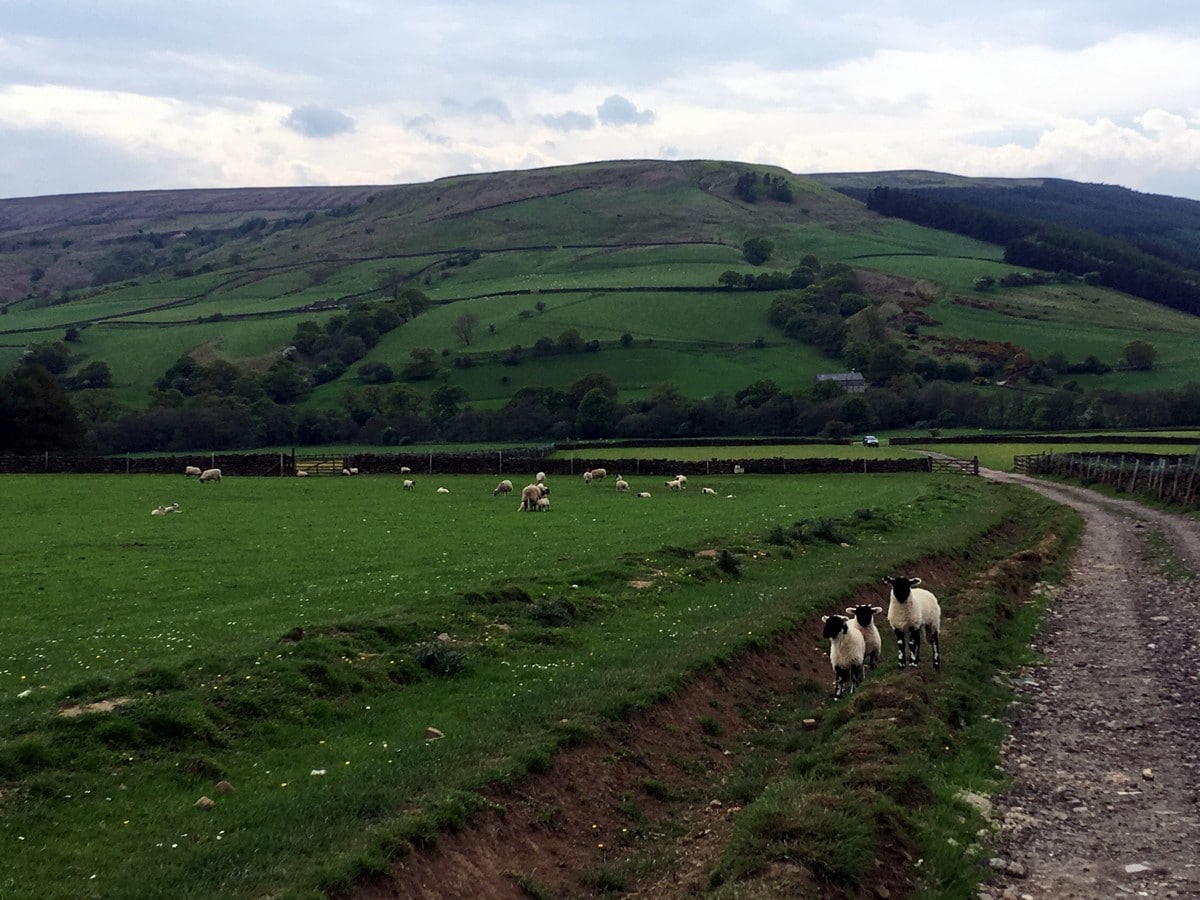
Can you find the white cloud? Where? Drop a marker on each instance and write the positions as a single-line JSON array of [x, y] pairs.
[[318, 121]]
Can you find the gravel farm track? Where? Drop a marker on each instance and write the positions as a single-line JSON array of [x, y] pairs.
[[1104, 752]]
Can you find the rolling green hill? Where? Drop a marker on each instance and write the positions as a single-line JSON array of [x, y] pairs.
[[613, 269]]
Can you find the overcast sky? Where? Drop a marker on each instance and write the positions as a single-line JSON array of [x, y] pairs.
[[104, 95]]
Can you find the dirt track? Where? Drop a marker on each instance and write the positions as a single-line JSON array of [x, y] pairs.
[[1105, 746]]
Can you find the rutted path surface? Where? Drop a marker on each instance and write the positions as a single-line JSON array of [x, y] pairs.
[[1105, 746]]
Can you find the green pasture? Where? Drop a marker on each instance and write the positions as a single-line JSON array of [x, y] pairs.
[[193, 618]]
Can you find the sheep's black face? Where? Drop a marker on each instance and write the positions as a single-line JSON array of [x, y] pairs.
[[901, 586], [863, 614], [835, 626]]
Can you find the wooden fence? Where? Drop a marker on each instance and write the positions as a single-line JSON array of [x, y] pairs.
[[1171, 479]]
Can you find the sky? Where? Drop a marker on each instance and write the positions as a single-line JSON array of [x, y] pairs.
[[114, 95]]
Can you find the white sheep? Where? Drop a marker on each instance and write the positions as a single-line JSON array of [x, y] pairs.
[[345, 471], [530, 495], [543, 504], [738, 470], [354, 470], [910, 610], [846, 648], [158, 511], [587, 477], [674, 484], [210, 475], [191, 471], [443, 490], [864, 621], [682, 479], [621, 485], [643, 494], [540, 477], [709, 491], [405, 470], [595, 475], [302, 473], [409, 484], [504, 487]]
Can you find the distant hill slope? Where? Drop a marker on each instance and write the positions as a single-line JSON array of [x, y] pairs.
[[1165, 227]]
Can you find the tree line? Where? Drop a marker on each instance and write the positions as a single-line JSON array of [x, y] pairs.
[[1051, 247]]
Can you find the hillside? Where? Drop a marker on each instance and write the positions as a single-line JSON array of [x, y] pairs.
[[439, 309]]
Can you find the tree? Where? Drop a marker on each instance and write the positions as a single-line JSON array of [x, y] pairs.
[[445, 401], [570, 341], [729, 278], [464, 327], [93, 375], [757, 251], [422, 365], [597, 413], [1139, 356], [35, 414]]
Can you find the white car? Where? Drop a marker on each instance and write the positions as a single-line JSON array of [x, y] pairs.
[[870, 441]]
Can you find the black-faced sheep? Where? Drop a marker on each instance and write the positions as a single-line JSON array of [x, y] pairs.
[[674, 484], [621, 485], [682, 479], [910, 610], [864, 621], [210, 475], [643, 495], [709, 491], [846, 648], [504, 487], [409, 484]]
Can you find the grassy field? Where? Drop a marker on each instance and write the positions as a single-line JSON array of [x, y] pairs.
[[193, 617]]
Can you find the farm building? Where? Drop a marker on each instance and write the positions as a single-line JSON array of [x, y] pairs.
[[850, 382]]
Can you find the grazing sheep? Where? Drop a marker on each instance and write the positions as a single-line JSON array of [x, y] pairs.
[[409, 484], [846, 649], [594, 475], [302, 473], [643, 494], [621, 485], [210, 475], [674, 484], [543, 504], [191, 471], [682, 479], [443, 490], [864, 621], [707, 490], [587, 477], [530, 495], [910, 610], [405, 470], [504, 487]]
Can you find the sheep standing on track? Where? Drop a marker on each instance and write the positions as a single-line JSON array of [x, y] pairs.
[[864, 621], [210, 475], [846, 649], [621, 485], [504, 487], [191, 471], [910, 610]]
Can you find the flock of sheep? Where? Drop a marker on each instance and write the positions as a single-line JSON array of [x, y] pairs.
[[854, 641]]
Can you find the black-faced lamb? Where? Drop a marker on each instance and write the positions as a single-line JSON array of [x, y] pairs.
[[864, 621], [709, 491], [504, 487], [621, 485], [409, 484], [210, 475], [846, 648], [643, 495], [910, 610]]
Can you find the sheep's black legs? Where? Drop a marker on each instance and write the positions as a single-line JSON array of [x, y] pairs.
[[914, 645], [856, 678], [933, 643], [841, 675], [900, 646]]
